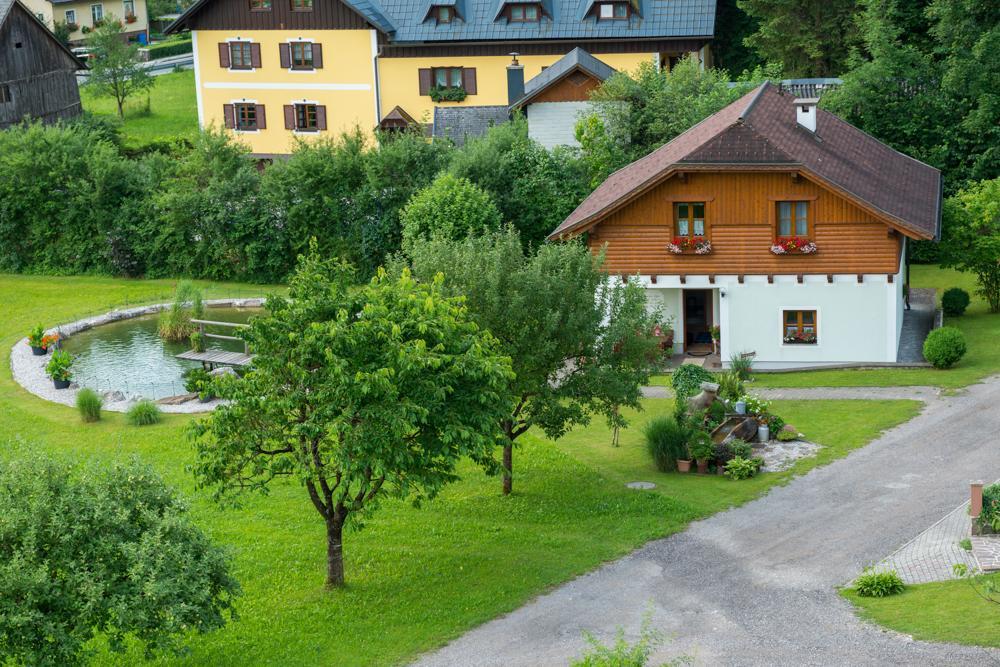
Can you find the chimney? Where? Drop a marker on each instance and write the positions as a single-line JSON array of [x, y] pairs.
[[515, 80], [805, 112]]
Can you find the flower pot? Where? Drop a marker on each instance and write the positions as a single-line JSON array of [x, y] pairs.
[[683, 465], [38, 351], [61, 384], [763, 433], [702, 466]]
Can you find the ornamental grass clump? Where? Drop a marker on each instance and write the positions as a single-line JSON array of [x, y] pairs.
[[666, 441], [175, 322], [878, 584], [89, 403], [144, 413]]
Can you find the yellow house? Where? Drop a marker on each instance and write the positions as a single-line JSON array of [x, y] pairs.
[[82, 15], [274, 71]]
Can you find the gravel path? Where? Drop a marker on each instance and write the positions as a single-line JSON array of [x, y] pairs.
[[756, 585], [29, 370]]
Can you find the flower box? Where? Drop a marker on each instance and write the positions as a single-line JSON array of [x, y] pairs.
[[130, 18], [801, 339], [690, 245], [793, 245], [447, 94]]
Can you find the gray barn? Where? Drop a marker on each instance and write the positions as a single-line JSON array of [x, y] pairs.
[[37, 73]]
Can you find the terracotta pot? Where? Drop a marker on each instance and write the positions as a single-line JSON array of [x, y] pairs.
[[702, 466], [683, 465]]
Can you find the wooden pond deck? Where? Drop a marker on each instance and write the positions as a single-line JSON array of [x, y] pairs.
[[212, 358]]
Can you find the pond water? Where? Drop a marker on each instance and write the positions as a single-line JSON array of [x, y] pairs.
[[129, 356]]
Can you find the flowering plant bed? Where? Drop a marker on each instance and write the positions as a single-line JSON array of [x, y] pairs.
[[697, 245], [786, 245]]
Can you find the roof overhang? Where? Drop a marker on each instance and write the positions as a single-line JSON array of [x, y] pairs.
[[681, 167]]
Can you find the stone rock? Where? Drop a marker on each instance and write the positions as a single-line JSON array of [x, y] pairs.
[[113, 396], [790, 429], [222, 370]]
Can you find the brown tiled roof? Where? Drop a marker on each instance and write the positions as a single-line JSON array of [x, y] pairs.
[[760, 128]]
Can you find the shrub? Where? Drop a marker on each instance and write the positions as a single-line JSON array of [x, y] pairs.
[[715, 415], [687, 378], [143, 413], [666, 441], [991, 507], [740, 448], [756, 405], [731, 386], [449, 207], [954, 301], [700, 446], [775, 423], [59, 365], [741, 365], [944, 347], [875, 584], [89, 403], [787, 436], [743, 468]]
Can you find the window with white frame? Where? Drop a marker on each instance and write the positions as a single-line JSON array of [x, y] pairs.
[[70, 17], [97, 13]]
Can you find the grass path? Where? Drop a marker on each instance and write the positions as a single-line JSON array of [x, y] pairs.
[[417, 577]]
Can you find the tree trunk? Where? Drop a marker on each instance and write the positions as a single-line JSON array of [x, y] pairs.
[[121, 110], [334, 553], [508, 467]]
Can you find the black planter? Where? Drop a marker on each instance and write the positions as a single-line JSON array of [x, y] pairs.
[[38, 351], [61, 384]]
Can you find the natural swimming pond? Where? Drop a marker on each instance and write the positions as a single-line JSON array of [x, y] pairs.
[[129, 356]]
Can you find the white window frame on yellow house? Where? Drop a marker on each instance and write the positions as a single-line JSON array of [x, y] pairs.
[[306, 133], [247, 40], [69, 13], [236, 124], [99, 6], [291, 55]]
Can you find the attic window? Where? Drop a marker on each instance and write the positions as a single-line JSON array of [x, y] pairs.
[[443, 14], [524, 13], [613, 11]]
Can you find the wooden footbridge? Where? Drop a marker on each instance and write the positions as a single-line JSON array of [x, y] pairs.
[[213, 358]]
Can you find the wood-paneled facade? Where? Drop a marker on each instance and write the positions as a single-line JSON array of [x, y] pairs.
[[37, 74], [741, 223], [237, 15]]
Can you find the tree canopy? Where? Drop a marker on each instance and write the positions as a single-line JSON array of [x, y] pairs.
[[115, 69], [356, 393], [111, 551], [580, 343], [451, 207], [972, 237]]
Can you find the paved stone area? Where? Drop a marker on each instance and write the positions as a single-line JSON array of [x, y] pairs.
[[780, 456], [917, 323], [986, 549], [932, 554], [757, 585], [925, 394], [29, 370]]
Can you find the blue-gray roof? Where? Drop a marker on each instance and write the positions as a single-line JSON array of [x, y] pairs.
[[653, 19], [462, 123], [577, 59]]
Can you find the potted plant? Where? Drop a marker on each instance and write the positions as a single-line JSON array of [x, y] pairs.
[[716, 337], [58, 369], [35, 337], [702, 451], [684, 465], [50, 342]]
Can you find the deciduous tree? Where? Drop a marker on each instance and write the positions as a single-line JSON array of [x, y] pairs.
[[86, 551], [972, 237], [356, 393], [115, 68], [580, 343], [451, 207]]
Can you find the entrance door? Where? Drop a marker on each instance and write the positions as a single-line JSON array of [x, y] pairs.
[[698, 320]]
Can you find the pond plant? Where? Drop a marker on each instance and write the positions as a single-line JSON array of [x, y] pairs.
[[59, 369], [175, 321], [144, 413]]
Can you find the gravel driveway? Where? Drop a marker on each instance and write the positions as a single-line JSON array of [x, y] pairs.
[[757, 585]]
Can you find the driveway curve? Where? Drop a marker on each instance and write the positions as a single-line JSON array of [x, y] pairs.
[[756, 585]]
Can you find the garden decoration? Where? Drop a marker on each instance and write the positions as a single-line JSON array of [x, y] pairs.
[[709, 394]]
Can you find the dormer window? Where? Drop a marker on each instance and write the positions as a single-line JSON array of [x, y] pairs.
[[613, 11], [524, 13], [443, 14]]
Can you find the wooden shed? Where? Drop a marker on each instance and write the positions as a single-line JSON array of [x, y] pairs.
[[37, 73]]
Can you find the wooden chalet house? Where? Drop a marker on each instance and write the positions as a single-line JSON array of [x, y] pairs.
[[272, 71], [37, 73], [776, 221]]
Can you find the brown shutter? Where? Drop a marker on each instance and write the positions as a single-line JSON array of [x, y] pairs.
[[229, 113], [224, 54], [285, 55], [469, 80], [424, 76], [255, 55], [261, 118], [318, 56], [320, 117], [289, 117]]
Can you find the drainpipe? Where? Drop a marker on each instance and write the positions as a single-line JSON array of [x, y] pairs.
[[906, 260], [378, 91]]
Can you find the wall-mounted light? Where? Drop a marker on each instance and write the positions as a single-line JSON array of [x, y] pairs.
[[722, 294]]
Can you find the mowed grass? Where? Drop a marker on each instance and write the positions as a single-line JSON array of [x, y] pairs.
[[416, 577], [982, 334], [173, 110], [944, 611]]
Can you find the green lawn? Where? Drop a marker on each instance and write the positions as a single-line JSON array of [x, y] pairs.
[[945, 611], [982, 333], [173, 111], [417, 578]]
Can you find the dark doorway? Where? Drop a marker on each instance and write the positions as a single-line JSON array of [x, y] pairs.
[[698, 321]]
